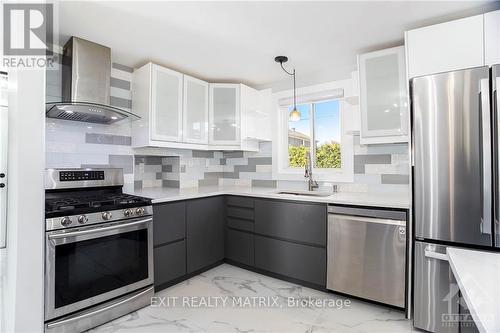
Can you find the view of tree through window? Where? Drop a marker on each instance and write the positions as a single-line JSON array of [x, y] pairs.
[[317, 129]]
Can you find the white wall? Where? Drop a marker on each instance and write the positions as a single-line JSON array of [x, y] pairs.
[[25, 220]]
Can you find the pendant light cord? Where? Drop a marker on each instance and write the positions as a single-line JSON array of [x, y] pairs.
[[294, 87]]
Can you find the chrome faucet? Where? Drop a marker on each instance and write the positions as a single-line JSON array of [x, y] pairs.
[[312, 184]]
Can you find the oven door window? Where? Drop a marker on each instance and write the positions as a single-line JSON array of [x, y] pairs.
[[85, 269]]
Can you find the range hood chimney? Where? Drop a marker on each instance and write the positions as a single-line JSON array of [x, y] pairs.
[[86, 76]]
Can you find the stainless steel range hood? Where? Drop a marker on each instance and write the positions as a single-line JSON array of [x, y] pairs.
[[86, 76]]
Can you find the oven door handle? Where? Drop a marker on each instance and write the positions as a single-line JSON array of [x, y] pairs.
[[98, 229]]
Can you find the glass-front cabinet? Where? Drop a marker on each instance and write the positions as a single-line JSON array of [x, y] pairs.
[[166, 99], [224, 114], [195, 124], [383, 96]]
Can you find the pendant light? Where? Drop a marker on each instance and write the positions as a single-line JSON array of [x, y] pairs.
[[294, 114]]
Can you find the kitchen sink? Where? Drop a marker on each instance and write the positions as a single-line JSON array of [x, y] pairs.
[[306, 193]]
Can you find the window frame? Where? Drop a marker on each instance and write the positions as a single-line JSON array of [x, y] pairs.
[[343, 174]]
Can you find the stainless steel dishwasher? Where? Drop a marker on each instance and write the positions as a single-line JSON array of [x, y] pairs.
[[367, 253]]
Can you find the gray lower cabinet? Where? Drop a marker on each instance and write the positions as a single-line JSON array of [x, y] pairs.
[[302, 262], [169, 262], [240, 246], [169, 222], [205, 232], [295, 221]]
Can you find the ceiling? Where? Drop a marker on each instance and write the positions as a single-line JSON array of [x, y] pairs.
[[237, 41]]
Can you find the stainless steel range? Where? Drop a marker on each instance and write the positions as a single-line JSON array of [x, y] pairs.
[[99, 249]]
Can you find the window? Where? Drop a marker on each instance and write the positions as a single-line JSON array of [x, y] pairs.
[[318, 131]]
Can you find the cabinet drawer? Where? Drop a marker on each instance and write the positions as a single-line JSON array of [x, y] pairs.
[[293, 221], [240, 224], [240, 202], [302, 262], [170, 262], [241, 213], [240, 247], [169, 222]]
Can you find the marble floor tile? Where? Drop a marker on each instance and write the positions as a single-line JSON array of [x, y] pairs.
[[284, 307]]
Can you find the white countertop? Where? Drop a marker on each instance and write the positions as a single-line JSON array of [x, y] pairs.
[[478, 276], [162, 194]]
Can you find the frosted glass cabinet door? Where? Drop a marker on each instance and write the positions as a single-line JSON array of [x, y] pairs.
[[195, 129], [166, 106], [383, 93], [224, 114]]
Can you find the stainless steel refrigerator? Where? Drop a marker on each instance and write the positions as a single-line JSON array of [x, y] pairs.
[[455, 176]]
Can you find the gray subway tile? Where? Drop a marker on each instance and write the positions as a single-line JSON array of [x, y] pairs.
[[233, 154], [138, 160], [231, 175], [263, 183], [203, 153], [214, 175], [389, 148], [122, 161], [208, 182], [183, 168], [108, 139], [119, 83], [122, 67], [222, 161], [171, 183], [166, 168], [245, 168], [137, 184], [394, 179], [260, 160], [153, 160], [361, 160], [120, 102], [159, 175]]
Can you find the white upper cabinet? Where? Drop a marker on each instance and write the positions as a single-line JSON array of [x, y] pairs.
[[383, 97], [445, 47], [195, 115], [492, 38], [255, 114], [224, 114], [166, 104]]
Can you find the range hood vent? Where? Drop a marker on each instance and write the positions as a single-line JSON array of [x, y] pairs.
[[86, 76]]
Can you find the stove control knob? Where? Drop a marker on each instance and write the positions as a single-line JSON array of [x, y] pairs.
[[65, 221], [106, 215], [128, 212], [139, 211], [83, 219]]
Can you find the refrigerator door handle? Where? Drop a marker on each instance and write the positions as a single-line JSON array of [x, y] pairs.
[[429, 253], [486, 155]]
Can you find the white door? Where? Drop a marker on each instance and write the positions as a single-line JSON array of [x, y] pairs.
[[492, 38], [195, 114], [383, 100], [224, 114], [166, 104]]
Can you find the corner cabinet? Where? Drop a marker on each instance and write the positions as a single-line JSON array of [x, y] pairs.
[[383, 96], [195, 111], [224, 114]]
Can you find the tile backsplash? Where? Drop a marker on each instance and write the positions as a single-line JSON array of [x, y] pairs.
[[74, 144]]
